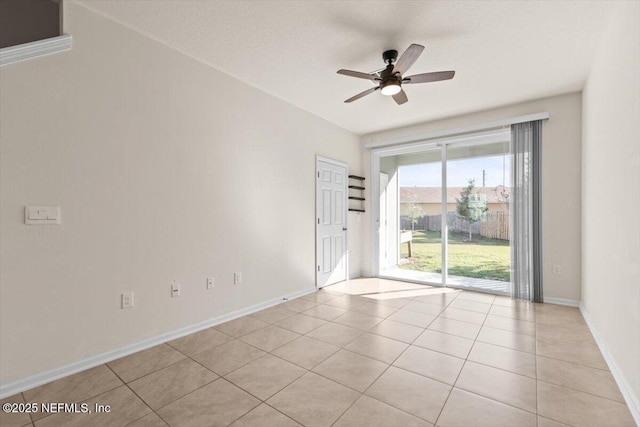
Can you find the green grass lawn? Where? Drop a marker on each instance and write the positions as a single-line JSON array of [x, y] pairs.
[[481, 258]]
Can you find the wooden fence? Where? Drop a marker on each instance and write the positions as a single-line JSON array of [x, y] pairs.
[[495, 225]]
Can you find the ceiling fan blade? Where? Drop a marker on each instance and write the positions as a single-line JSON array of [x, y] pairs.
[[408, 58], [361, 94], [358, 75], [429, 77], [400, 97]]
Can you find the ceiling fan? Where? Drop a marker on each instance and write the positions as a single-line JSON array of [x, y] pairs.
[[390, 79]]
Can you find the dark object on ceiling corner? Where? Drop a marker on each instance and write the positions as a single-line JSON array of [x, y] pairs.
[[25, 21]]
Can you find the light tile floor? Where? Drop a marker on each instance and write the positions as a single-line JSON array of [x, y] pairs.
[[367, 352]]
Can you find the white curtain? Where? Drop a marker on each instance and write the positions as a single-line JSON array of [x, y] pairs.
[[526, 242]]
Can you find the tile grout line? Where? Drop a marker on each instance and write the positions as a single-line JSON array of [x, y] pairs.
[[583, 392], [223, 377], [582, 365], [363, 393], [307, 370], [339, 349], [489, 398], [535, 355], [277, 410], [503, 346], [24, 399], [460, 372], [193, 360], [136, 394], [573, 363], [86, 398], [394, 360]]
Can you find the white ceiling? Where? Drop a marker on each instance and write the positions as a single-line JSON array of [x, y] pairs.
[[503, 52]]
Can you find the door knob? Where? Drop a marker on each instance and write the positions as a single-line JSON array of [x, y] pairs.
[[344, 228]]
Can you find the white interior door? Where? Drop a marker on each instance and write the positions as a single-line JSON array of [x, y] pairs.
[[331, 222], [382, 227]]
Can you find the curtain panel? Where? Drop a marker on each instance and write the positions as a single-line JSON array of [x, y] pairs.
[[526, 243]]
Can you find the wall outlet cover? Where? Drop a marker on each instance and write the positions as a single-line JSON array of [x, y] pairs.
[[126, 300]]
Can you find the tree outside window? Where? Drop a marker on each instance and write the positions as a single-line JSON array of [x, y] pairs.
[[471, 206]]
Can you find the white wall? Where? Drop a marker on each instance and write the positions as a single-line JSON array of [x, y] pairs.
[[164, 169], [611, 193], [561, 182]]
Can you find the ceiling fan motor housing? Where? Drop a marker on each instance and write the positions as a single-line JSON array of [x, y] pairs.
[[390, 56], [390, 84]]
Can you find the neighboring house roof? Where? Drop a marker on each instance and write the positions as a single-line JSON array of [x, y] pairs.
[[434, 194]]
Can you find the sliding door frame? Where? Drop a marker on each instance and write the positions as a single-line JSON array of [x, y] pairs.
[[487, 136], [444, 226]]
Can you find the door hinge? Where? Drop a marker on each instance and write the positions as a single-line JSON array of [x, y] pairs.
[[318, 268], [318, 174], [318, 220]]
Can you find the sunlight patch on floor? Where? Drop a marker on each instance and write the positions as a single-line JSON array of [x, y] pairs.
[[384, 289]]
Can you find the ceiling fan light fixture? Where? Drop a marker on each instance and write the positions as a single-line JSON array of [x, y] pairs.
[[389, 80], [390, 88]]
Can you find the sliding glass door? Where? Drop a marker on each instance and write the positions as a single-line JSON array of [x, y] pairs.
[[415, 237], [462, 189], [478, 254], [420, 225]]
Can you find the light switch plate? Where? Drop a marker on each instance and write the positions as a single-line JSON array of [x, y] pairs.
[[42, 215], [175, 289]]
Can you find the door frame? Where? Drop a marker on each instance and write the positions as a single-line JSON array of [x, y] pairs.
[[415, 146], [345, 205], [383, 245]]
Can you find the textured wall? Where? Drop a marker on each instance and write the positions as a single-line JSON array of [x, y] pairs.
[[165, 169], [611, 177]]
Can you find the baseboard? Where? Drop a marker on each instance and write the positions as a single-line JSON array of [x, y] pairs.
[[633, 402], [562, 301], [93, 361]]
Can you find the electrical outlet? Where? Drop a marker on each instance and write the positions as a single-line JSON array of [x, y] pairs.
[[237, 278], [557, 269], [126, 300], [175, 289], [210, 283]]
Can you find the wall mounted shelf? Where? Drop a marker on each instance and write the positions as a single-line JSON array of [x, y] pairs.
[[356, 193]]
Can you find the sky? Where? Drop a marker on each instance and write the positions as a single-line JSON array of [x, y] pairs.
[[458, 172]]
